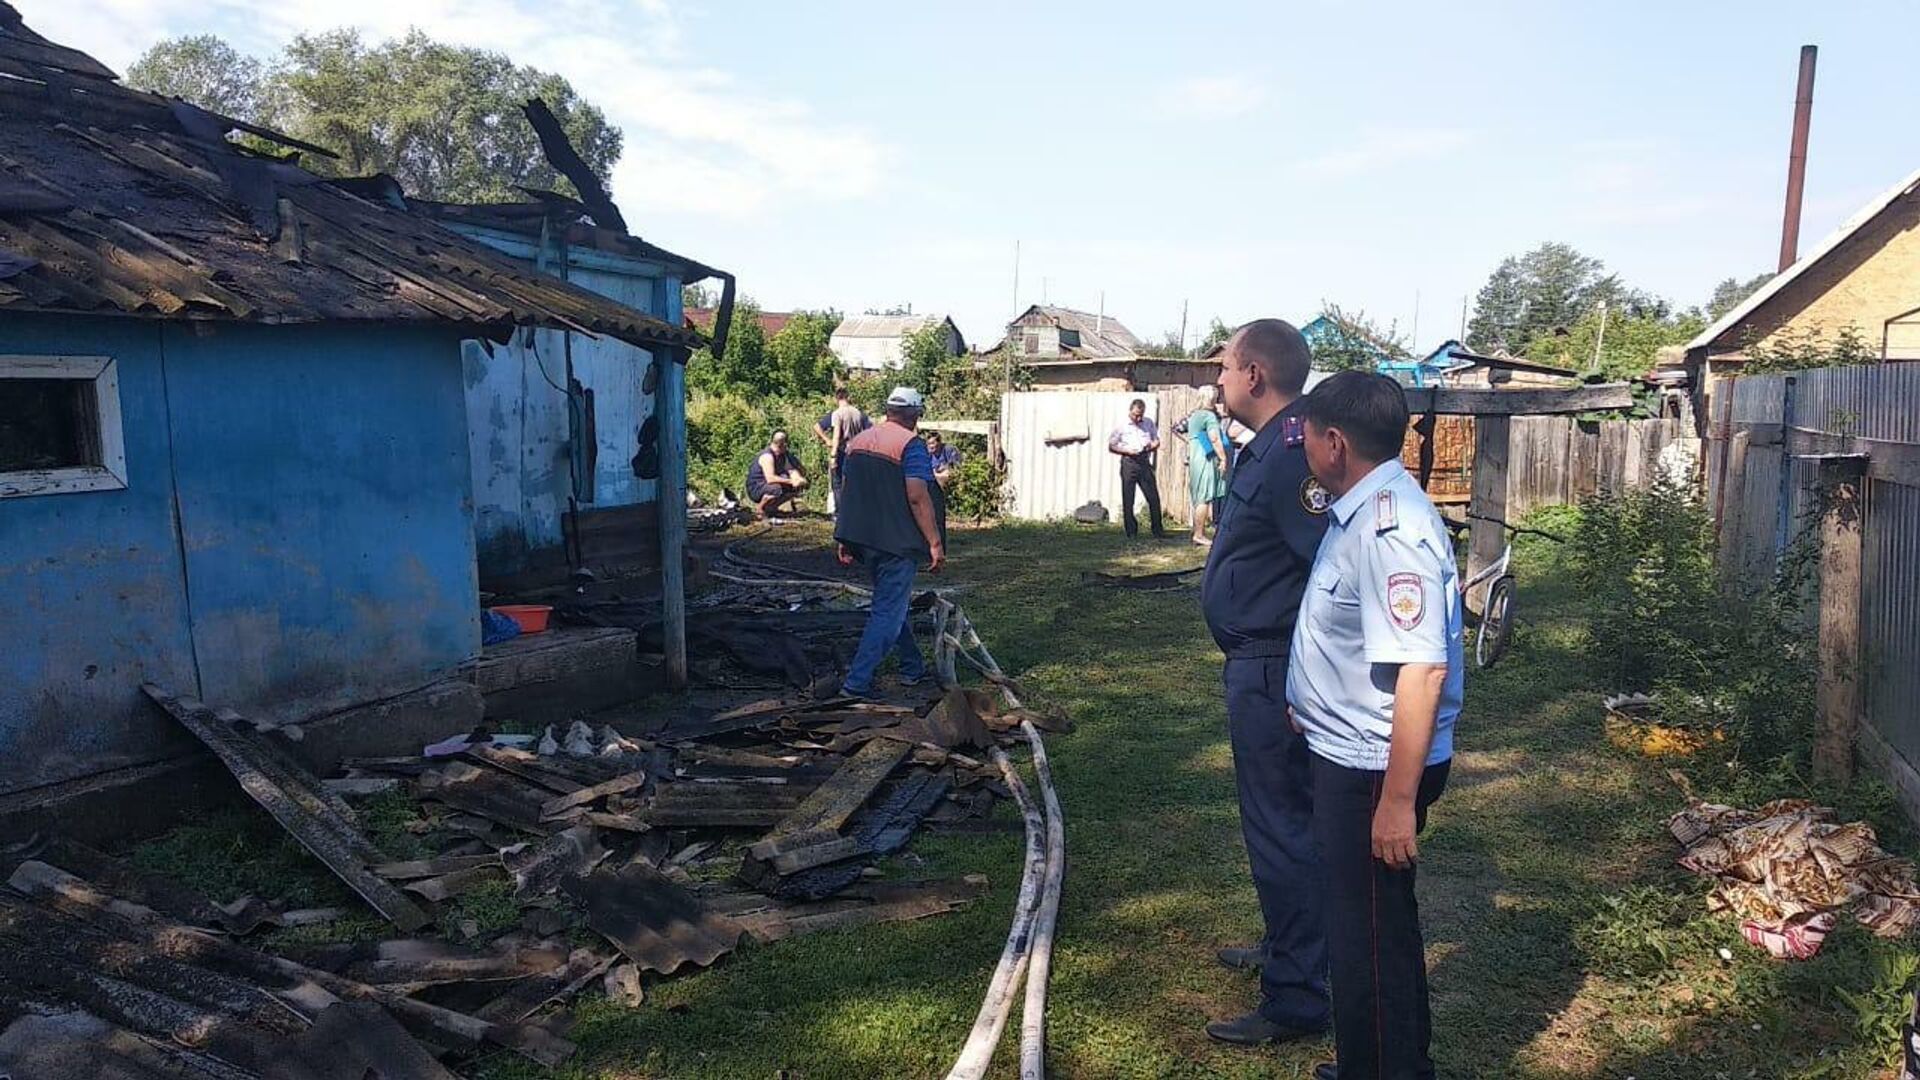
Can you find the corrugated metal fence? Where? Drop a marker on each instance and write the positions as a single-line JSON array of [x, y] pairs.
[[1752, 439], [1056, 447]]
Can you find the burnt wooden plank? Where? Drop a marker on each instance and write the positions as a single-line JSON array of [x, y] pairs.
[[294, 801], [426, 868], [560, 804], [526, 996], [489, 793], [833, 802]]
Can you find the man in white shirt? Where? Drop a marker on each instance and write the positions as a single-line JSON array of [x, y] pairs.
[[1135, 441], [1375, 685]]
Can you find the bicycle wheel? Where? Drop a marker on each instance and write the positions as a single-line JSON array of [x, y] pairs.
[[1496, 623]]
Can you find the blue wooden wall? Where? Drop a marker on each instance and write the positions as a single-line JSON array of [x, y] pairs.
[[520, 437], [92, 586], [296, 536]]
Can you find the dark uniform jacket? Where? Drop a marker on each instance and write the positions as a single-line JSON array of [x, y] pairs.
[[1275, 514]]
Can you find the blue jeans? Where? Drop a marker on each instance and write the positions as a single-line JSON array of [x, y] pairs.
[[888, 624]]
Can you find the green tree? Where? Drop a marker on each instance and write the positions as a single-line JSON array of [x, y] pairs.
[[1728, 294], [924, 357], [743, 369], [1217, 333], [797, 356], [1169, 346], [444, 120], [1354, 342], [1629, 347], [1549, 288], [1802, 350], [203, 70], [696, 296]]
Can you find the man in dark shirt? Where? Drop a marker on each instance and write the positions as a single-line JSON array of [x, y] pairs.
[[775, 478], [892, 519], [1256, 574]]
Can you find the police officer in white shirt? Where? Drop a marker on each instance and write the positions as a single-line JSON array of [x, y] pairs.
[[1375, 685]]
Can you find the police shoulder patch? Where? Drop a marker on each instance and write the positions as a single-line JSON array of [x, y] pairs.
[[1406, 600], [1293, 431], [1314, 498]]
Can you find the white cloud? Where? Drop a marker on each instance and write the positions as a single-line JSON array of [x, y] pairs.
[[697, 139], [1382, 148], [1212, 96]]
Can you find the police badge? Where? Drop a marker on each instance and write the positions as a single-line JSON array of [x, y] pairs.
[[1314, 498]]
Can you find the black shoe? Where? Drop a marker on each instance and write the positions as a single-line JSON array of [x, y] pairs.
[[1241, 957], [1326, 1070], [1255, 1030]]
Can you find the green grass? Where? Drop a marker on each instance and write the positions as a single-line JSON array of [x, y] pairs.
[[1563, 941]]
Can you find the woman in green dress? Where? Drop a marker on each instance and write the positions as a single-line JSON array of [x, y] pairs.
[[1206, 465]]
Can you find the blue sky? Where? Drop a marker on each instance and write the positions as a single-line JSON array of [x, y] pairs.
[[1248, 158]]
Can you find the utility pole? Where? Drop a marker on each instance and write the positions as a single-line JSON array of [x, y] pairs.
[[1006, 347], [1016, 279], [1463, 320], [1416, 319], [1183, 328]]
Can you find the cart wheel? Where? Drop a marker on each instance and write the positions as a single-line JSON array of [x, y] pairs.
[[1496, 623]]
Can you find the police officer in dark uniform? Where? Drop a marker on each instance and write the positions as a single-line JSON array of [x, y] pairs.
[[1256, 572]]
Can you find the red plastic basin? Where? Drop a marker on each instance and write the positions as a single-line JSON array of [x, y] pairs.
[[531, 617]]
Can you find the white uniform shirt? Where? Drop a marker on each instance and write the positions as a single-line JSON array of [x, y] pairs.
[[1132, 437], [1384, 591]]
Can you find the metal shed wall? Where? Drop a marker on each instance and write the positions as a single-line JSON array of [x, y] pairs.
[[522, 472], [1056, 447]]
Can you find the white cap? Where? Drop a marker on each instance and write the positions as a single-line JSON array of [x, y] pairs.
[[905, 397]]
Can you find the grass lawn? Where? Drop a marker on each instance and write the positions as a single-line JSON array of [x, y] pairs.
[[1563, 941]]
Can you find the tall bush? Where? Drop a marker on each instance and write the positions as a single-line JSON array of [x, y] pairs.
[[1744, 666]]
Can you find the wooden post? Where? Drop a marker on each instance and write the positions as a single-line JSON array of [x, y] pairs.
[[1839, 685], [670, 405], [1488, 506], [1730, 524]]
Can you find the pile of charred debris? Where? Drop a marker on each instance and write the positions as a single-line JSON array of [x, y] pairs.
[[629, 856]]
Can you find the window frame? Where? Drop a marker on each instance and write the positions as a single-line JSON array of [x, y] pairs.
[[111, 474]]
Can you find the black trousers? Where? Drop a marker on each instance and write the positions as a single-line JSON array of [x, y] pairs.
[[1137, 472], [1381, 1025], [1272, 769]]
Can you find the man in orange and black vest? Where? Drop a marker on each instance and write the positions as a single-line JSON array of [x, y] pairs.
[[892, 517]]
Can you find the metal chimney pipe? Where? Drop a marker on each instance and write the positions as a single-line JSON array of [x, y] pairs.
[[1797, 158]]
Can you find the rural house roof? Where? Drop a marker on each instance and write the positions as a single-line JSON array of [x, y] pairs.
[[887, 326], [1726, 323], [119, 202], [771, 322], [1100, 335]]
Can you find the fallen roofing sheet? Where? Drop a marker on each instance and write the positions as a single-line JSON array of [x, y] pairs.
[[655, 923], [303, 989], [314, 816]]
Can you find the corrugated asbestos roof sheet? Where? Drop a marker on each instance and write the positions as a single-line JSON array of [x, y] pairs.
[[883, 326], [114, 201]]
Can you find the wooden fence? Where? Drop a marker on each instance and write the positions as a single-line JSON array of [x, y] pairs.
[[1558, 459], [1549, 460], [1836, 452]]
